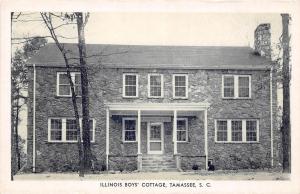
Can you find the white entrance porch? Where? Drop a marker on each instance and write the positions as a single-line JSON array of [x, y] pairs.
[[155, 132]]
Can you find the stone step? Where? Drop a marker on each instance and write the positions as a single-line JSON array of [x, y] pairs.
[[157, 163]]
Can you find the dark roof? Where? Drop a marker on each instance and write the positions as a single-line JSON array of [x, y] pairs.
[[140, 56]]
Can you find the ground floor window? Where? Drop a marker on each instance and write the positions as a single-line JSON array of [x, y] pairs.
[[64, 130], [182, 129], [236, 130], [129, 129]]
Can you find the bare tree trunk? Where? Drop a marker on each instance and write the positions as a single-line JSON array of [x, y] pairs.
[[48, 22], [286, 134], [17, 133], [84, 90]]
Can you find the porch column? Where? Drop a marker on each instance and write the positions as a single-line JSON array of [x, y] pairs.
[[139, 154], [175, 132], [205, 139], [107, 137]]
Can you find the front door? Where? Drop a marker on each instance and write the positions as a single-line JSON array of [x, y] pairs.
[[155, 138]]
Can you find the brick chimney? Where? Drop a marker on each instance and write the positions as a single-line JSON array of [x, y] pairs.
[[262, 40]]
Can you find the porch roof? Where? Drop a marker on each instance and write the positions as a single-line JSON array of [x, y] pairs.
[[156, 108]]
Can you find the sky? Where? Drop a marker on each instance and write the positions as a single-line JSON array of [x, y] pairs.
[[162, 28], [154, 28]]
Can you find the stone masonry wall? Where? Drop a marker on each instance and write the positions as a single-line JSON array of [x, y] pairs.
[[106, 87]]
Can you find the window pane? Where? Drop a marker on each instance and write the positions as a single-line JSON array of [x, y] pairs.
[[228, 86], [155, 133], [130, 90], [180, 80], [181, 135], [221, 130], [63, 79], [251, 130], [78, 90], [243, 86], [181, 125], [56, 124], [129, 135], [180, 91], [155, 91], [130, 80], [56, 135], [155, 80], [64, 90], [130, 125], [236, 131]]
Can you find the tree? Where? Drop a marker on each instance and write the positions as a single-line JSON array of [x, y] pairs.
[[285, 128], [18, 88], [84, 151]]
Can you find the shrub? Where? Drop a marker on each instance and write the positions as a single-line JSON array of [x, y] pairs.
[[195, 167]]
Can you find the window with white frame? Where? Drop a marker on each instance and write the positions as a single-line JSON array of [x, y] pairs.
[[63, 84], [182, 129], [155, 85], [237, 130], [180, 86], [222, 130], [64, 130], [236, 86], [129, 129], [130, 85]]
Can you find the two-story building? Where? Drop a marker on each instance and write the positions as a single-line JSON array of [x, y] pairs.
[[157, 107]]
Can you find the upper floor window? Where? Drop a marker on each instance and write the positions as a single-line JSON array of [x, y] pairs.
[[180, 86], [63, 84], [130, 85], [155, 85], [236, 86], [129, 129], [237, 130], [64, 130]]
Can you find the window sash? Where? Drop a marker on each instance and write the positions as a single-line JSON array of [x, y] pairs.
[[130, 87], [128, 132], [76, 79], [155, 88], [182, 133], [180, 87]]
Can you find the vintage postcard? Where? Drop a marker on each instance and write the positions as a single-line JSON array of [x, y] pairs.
[[185, 97]]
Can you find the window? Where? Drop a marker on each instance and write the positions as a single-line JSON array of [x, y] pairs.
[[251, 129], [237, 130], [155, 85], [56, 130], [222, 131], [64, 130], [130, 85], [63, 84], [129, 129], [236, 86], [182, 129], [71, 130], [180, 86]]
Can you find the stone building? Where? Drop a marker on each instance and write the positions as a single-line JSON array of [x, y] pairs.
[[157, 107]]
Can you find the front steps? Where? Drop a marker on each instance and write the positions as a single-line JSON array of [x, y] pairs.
[[156, 163]]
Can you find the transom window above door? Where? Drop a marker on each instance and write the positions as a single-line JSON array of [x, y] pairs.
[[155, 86], [130, 85]]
